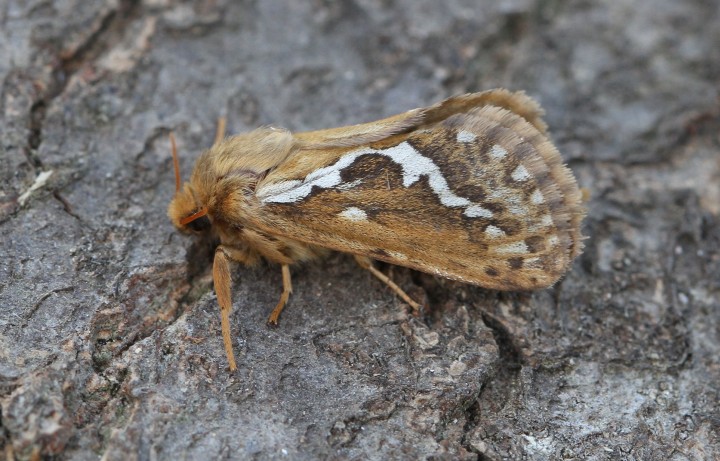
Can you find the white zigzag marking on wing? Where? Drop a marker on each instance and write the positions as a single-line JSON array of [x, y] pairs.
[[414, 165]]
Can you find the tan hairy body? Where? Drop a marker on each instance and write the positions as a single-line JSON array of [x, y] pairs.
[[469, 189]]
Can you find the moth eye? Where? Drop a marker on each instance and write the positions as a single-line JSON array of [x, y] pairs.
[[200, 224]]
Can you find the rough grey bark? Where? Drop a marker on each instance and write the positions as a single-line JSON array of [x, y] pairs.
[[109, 330]]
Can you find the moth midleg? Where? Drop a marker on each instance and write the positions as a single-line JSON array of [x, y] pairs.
[[287, 289], [367, 263], [221, 280]]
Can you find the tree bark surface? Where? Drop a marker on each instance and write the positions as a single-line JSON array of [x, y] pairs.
[[110, 342]]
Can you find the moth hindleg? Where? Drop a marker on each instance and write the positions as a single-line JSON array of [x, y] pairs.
[[367, 263], [287, 289]]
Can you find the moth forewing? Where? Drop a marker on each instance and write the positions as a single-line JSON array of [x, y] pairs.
[[470, 188], [480, 196]]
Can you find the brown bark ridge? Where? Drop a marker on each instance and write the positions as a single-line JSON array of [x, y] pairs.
[[109, 330]]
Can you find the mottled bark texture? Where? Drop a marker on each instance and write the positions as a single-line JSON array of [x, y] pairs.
[[109, 330]]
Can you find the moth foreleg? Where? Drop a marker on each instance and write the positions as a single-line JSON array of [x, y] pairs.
[[221, 280], [367, 263], [287, 289]]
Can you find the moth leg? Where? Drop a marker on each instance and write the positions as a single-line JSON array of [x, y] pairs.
[[367, 263], [287, 289], [221, 279]]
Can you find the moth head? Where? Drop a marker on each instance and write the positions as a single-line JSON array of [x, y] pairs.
[[186, 211]]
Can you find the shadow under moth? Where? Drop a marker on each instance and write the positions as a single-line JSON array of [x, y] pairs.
[[469, 189]]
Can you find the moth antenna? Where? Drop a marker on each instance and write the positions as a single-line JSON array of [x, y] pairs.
[[220, 131], [176, 162], [198, 214]]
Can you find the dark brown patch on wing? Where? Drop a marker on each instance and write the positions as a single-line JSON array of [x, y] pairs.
[[510, 226], [515, 263], [496, 207], [535, 244], [373, 171]]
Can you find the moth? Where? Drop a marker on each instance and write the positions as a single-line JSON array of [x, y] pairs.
[[471, 189]]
